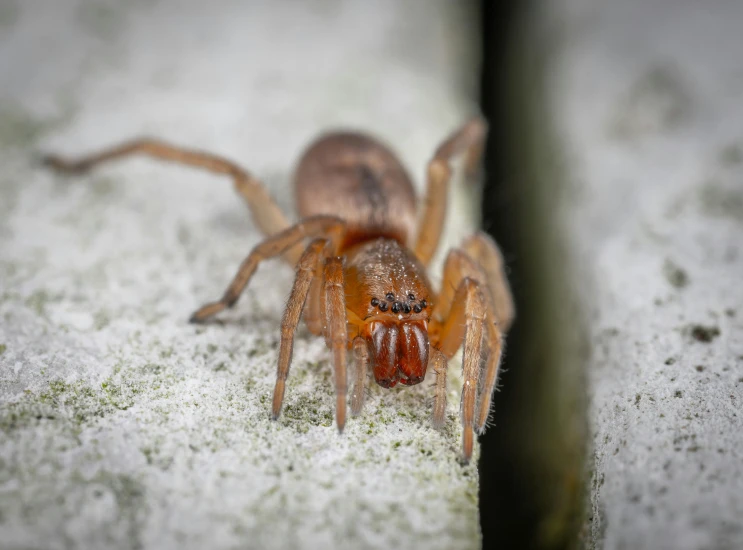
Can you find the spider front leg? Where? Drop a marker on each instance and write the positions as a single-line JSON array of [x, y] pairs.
[[306, 268], [486, 254], [362, 358], [499, 304], [313, 313], [336, 332], [440, 365], [335, 314], [465, 297], [483, 250], [465, 323]]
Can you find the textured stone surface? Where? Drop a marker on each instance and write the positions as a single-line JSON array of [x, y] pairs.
[[122, 425], [648, 99]]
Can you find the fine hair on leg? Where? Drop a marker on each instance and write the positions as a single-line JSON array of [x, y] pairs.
[[316, 226], [468, 139], [266, 214], [361, 356], [336, 332], [305, 273], [483, 250], [440, 365]]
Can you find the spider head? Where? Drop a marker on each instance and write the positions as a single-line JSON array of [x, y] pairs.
[[399, 351]]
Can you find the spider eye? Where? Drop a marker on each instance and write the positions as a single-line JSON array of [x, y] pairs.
[[390, 296], [411, 296]]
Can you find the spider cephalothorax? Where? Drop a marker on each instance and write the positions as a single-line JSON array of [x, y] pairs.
[[361, 278]]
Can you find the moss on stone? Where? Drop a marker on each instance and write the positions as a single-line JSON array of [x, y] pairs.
[[731, 155], [20, 127], [721, 201], [675, 275]]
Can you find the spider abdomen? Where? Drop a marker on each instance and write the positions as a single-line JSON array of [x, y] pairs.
[[357, 178]]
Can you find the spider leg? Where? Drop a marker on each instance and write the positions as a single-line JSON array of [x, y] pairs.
[[457, 266], [361, 354], [460, 264], [468, 139], [483, 249], [440, 365], [465, 323], [336, 332], [313, 313], [447, 331], [266, 213], [494, 341], [275, 245], [305, 274]]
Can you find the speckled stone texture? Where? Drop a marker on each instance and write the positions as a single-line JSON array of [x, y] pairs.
[[648, 99], [122, 426]]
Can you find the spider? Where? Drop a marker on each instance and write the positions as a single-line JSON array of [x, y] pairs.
[[361, 280]]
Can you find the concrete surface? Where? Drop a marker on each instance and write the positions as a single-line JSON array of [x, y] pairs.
[[648, 104], [122, 425]]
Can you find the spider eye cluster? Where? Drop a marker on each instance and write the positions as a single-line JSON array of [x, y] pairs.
[[404, 305]]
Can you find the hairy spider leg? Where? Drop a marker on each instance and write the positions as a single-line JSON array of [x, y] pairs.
[[266, 213], [482, 248], [336, 333], [440, 365], [271, 247], [314, 316], [469, 139], [305, 273], [361, 360], [464, 324], [447, 332]]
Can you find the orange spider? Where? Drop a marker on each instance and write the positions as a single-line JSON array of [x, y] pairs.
[[361, 282]]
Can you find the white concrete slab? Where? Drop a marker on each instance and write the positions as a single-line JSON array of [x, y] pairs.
[[122, 425], [648, 98]]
